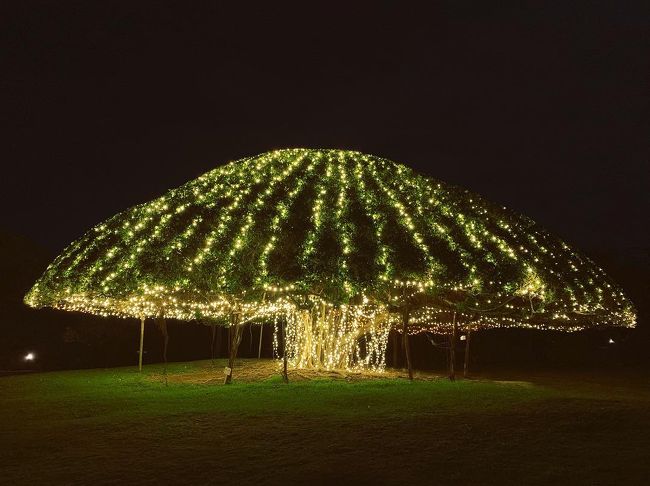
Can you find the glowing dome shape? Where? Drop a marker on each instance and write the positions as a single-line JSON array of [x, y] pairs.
[[347, 227]]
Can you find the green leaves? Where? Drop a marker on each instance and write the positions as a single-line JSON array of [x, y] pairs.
[[339, 224]]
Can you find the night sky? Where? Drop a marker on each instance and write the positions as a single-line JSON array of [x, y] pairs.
[[542, 109]]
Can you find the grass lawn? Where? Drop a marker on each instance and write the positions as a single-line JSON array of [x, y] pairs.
[[120, 426]]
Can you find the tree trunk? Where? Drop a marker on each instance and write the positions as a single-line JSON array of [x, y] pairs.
[[141, 343], [452, 351], [468, 336], [235, 339], [407, 345]]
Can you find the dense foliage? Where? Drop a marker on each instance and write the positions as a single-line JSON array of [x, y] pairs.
[[339, 226]]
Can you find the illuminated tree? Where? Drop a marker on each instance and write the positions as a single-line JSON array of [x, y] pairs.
[[336, 248]]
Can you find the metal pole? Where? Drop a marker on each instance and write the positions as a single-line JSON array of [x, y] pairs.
[[407, 345], [212, 344], [452, 351], [141, 342], [285, 374], [259, 350], [467, 339]]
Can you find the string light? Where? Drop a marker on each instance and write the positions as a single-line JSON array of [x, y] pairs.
[[333, 244]]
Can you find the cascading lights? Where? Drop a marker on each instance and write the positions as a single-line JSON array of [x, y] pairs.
[[281, 233]]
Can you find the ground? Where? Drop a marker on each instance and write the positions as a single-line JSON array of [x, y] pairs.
[[121, 426]]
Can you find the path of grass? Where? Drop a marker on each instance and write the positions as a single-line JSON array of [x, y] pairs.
[[103, 426]]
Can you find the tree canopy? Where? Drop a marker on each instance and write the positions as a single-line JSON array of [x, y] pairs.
[[346, 227]]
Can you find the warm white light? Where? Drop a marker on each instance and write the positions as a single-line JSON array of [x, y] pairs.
[[207, 231]]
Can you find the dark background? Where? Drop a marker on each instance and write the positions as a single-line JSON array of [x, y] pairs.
[[541, 107]]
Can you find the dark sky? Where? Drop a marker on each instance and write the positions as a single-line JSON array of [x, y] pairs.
[[543, 109]]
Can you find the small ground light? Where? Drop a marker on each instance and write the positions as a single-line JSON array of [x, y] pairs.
[[29, 357], [463, 337], [611, 341]]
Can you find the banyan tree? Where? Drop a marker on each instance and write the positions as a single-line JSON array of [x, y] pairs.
[[335, 249]]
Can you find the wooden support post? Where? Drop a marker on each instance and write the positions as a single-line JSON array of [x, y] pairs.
[[235, 339], [407, 345], [467, 339], [250, 344], [285, 374], [229, 343], [163, 328], [259, 349], [141, 343], [228, 370], [452, 351], [214, 330], [161, 322], [217, 346]]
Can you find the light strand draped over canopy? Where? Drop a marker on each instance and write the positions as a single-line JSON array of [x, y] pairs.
[[297, 228]]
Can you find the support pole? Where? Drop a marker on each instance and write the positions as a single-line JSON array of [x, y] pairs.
[[141, 342], [162, 325], [163, 328], [214, 330], [407, 345], [285, 375], [467, 339], [235, 339], [229, 349], [259, 349], [452, 351], [250, 344], [217, 347]]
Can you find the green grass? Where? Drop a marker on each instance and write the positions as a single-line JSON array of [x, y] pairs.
[[116, 425]]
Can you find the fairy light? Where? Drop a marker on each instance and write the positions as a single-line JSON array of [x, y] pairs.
[[357, 237]]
